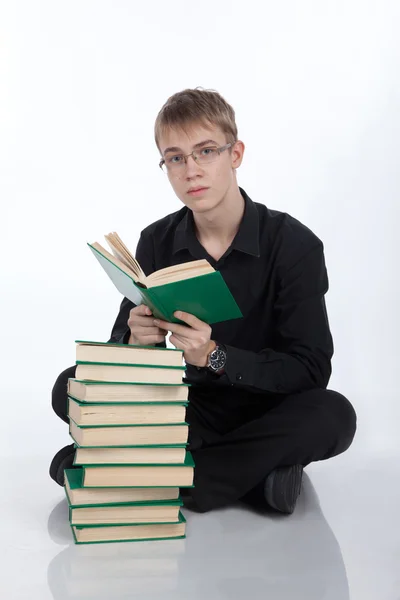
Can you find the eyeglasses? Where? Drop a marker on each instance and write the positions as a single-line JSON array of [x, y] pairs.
[[175, 162]]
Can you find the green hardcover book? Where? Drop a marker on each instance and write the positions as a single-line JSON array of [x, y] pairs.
[[78, 495], [169, 434], [129, 533], [140, 475], [125, 513], [125, 391], [139, 413], [130, 456], [89, 351], [103, 371], [193, 287]]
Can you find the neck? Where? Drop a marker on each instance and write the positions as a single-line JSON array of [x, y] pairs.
[[222, 222]]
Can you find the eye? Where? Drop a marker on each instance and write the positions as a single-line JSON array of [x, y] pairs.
[[208, 151], [171, 159]]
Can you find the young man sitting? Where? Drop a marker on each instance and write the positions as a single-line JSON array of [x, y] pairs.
[[259, 410]]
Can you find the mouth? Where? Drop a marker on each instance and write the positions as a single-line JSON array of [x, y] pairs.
[[197, 191]]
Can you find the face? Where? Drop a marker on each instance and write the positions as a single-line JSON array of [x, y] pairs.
[[218, 177]]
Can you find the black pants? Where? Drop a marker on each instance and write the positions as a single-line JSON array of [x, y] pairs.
[[237, 438]]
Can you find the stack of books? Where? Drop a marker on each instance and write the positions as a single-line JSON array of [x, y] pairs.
[[127, 407]]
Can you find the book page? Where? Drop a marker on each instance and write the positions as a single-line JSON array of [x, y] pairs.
[[193, 268], [121, 252]]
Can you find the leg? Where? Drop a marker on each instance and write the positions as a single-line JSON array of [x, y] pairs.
[[59, 398], [198, 430], [304, 427]]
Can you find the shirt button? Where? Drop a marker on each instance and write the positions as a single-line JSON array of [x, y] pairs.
[[279, 387], [238, 376]]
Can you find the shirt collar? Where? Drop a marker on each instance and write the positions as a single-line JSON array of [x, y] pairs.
[[246, 239]]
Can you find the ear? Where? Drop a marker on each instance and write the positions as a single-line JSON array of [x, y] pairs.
[[237, 154]]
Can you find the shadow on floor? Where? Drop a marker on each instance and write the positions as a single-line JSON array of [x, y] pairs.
[[233, 553]]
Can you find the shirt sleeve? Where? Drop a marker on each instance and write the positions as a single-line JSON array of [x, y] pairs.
[[303, 345], [120, 332]]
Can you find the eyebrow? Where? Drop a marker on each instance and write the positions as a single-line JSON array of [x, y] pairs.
[[176, 149]]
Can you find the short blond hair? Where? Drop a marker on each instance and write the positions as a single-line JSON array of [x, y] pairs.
[[196, 107]]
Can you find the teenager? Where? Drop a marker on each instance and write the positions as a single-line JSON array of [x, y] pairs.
[[259, 408]]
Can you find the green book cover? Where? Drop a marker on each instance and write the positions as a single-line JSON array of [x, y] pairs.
[[75, 481], [206, 296], [87, 362], [133, 445], [89, 382], [116, 504], [136, 446], [132, 425], [181, 519], [85, 404], [188, 462], [150, 347]]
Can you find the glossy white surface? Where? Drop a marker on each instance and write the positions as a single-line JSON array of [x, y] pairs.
[[342, 542]]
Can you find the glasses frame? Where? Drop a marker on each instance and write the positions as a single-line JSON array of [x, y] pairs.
[[194, 154]]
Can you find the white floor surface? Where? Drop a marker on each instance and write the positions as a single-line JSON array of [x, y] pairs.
[[342, 542]]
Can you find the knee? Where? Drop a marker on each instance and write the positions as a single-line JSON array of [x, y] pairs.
[[340, 414], [59, 392]]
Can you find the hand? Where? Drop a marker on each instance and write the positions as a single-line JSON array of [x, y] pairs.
[[193, 340], [143, 330]]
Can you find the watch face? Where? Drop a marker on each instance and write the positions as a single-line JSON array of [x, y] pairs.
[[217, 359]]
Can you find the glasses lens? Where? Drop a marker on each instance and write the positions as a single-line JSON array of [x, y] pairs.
[[173, 162], [206, 155], [177, 161]]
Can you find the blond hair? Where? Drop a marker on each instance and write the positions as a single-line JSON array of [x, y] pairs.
[[196, 107]]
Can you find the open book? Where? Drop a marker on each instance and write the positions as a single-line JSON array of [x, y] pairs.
[[193, 287]]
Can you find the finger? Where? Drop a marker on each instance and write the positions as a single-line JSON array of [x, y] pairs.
[[174, 328], [141, 331], [147, 340], [142, 309], [137, 320], [189, 319]]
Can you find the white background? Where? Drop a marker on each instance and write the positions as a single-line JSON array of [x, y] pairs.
[[315, 87]]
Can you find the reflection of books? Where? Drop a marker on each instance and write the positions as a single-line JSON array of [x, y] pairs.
[[121, 533], [194, 287], [125, 567], [78, 495], [115, 575]]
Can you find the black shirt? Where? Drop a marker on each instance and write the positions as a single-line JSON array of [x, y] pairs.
[[275, 269]]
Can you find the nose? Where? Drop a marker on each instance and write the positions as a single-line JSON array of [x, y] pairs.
[[192, 168]]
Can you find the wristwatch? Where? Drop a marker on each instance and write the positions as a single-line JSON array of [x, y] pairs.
[[216, 360]]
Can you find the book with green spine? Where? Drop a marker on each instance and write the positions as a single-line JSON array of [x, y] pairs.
[[194, 287], [140, 475], [139, 413], [167, 434], [129, 533], [128, 513], [135, 354], [78, 495], [126, 391], [103, 371], [130, 456]]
